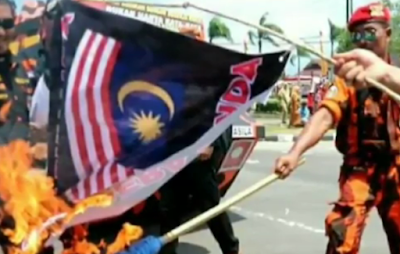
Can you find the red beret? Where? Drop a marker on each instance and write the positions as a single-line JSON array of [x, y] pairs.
[[370, 12]]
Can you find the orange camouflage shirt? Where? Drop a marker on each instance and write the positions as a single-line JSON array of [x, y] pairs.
[[379, 119]]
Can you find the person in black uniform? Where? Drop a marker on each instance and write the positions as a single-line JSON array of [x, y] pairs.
[[14, 92], [200, 180]]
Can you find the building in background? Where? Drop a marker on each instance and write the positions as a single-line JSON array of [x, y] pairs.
[[162, 17], [308, 78]]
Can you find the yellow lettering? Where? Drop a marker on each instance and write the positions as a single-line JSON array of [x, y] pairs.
[[157, 11], [189, 18], [195, 20], [134, 6], [176, 15], [113, 4]]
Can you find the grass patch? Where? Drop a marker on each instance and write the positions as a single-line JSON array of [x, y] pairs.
[[266, 115]]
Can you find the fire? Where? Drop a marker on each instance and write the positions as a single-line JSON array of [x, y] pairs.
[[127, 236], [102, 200], [28, 200]]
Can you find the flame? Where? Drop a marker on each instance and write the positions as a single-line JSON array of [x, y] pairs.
[[79, 244], [28, 200], [29, 197], [128, 235], [100, 200]]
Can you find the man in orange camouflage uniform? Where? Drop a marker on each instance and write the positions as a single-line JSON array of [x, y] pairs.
[[15, 83], [368, 136]]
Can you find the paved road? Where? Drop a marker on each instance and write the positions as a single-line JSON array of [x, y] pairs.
[[287, 217]]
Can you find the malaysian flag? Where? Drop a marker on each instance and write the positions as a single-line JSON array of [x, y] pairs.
[[139, 103], [90, 124]]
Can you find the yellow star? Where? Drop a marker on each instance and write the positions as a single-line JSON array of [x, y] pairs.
[[147, 126]]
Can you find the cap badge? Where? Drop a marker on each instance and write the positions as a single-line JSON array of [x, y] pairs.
[[376, 11]]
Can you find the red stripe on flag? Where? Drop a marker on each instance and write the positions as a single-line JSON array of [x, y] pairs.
[[105, 95], [108, 172], [76, 106], [90, 97]]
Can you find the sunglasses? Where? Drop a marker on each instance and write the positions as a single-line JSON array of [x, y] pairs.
[[367, 36], [7, 23]]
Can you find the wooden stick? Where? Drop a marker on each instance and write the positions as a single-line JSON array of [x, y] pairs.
[[296, 42], [223, 206], [293, 41]]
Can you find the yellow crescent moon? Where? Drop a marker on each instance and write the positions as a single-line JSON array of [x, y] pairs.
[[143, 86]]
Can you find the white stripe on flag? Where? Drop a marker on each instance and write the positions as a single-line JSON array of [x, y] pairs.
[[89, 122], [84, 95], [69, 118]]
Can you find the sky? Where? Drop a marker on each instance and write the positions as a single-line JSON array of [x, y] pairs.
[[298, 19]]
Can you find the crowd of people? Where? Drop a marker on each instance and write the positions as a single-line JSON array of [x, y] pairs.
[[367, 122], [297, 108], [22, 112]]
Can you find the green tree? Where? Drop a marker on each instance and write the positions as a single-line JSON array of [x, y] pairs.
[[394, 7], [259, 36], [341, 37], [218, 29], [300, 52], [344, 42]]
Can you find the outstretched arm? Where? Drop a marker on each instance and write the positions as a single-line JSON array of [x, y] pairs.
[[392, 78], [313, 132], [327, 116]]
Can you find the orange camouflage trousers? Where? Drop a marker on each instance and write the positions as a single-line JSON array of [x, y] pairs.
[[360, 191]]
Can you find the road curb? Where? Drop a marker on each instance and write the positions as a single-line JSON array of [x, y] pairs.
[[291, 138]]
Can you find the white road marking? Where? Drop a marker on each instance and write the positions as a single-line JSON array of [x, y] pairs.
[[286, 222], [325, 147], [250, 161]]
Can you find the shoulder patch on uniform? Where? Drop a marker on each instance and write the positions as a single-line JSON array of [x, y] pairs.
[[332, 92], [22, 81]]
